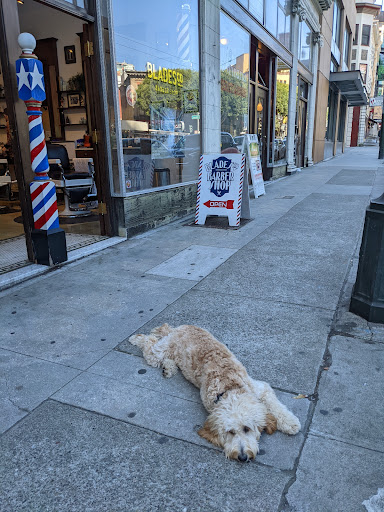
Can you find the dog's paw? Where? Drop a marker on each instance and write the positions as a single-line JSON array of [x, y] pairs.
[[289, 425], [169, 368]]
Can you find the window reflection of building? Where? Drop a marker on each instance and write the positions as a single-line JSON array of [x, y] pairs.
[[158, 92], [234, 63]]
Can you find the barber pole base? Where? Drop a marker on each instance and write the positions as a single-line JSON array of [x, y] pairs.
[[49, 246], [48, 238]]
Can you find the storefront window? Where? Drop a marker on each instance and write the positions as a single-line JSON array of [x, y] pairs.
[[281, 118], [157, 59], [234, 64]]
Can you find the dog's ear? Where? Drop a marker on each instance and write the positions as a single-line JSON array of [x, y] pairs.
[[209, 433], [270, 424]]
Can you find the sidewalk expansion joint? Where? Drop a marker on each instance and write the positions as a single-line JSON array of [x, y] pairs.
[[325, 364], [264, 299], [358, 338], [324, 435]]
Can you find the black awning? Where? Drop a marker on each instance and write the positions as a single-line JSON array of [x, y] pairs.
[[350, 84]]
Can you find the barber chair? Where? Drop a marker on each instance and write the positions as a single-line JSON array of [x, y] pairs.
[[77, 183]]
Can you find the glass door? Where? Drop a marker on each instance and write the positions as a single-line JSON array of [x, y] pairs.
[[261, 115]]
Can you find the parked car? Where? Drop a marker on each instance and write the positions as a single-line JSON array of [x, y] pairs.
[[187, 146], [227, 141], [239, 142], [280, 149]]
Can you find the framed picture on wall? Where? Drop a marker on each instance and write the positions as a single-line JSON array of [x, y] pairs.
[[70, 54], [74, 100]]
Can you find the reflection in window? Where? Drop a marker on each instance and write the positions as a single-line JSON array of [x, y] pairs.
[[157, 57], [336, 24], [347, 43], [271, 17], [365, 35], [281, 119], [284, 24], [234, 64], [256, 7], [305, 45]]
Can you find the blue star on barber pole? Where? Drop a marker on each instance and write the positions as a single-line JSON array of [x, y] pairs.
[[30, 79], [30, 84], [183, 37]]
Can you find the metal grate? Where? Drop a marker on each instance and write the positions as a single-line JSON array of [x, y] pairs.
[[13, 251]]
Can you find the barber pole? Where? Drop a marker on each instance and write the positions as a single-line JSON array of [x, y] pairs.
[[183, 36], [30, 84]]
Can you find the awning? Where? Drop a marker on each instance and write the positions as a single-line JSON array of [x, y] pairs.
[[350, 84]]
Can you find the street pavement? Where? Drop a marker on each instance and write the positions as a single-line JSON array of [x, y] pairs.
[[87, 426]]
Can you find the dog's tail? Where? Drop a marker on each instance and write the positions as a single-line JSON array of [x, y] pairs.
[[147, 342], [140, 340]]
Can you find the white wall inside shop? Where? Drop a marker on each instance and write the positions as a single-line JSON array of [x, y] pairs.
[[44, 22]]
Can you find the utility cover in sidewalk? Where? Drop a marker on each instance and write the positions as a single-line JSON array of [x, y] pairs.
[[193, 263]]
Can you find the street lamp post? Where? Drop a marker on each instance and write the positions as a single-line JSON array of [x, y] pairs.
[[47, 237]]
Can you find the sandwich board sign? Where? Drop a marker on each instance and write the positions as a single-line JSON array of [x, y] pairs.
[[220, 188], [252, 150]]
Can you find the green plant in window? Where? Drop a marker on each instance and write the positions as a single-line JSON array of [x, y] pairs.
[[282, 95], [77, 82]]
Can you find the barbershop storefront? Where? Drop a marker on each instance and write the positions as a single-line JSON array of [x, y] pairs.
[[142, 90]]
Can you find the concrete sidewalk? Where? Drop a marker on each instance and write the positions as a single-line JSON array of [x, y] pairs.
[[88, 426]]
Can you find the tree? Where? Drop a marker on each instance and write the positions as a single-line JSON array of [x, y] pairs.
[[234, 101], [282, 97], [158, 93]]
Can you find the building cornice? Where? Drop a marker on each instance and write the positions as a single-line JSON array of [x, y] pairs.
[[306, 11], [367, 8]]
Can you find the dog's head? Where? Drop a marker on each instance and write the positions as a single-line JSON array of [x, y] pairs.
[[236, 424]]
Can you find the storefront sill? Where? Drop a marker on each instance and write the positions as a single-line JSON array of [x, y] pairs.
[[33, 270]]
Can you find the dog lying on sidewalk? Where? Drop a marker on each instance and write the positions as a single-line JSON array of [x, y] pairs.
[[239, 407]]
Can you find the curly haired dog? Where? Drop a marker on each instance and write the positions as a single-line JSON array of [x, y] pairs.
[[239, 407]]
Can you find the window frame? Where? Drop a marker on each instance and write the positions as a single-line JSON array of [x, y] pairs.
[[356, 36]]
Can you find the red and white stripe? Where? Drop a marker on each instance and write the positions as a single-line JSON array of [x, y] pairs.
[[44, 205]]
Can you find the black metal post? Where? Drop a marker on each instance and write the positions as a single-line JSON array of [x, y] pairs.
[[367, 298], [381, 142]]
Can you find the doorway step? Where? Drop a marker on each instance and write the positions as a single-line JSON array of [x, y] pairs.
[[15, 267]]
